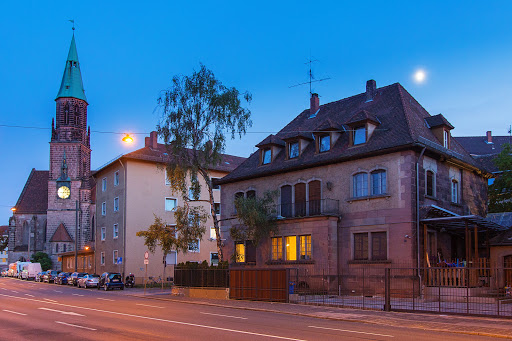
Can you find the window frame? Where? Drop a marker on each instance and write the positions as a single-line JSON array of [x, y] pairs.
[[104, 184], [216, 187], [355, 134], [305, 244], [170, 199], [455, 190], [104, 208], [115, 231], [116, 178], [363, 183], [382, 183], [366, 251], [115, 255], [276, 249], [292, 144], [116, 208], [446, 139], [102, 258], [103, 234], [196, 250], [167, 182], [434, 181], [320, 138], [215, 205], [240, 258], [263, 156], [214, 235]]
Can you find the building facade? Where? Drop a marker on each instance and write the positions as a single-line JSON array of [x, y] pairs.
[[131, 191], [356, 181]]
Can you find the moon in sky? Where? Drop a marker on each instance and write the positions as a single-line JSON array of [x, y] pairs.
[[420, 76]]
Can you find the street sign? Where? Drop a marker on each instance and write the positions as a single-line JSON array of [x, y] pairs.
[[120, 260], [146, 261], [146, 255]]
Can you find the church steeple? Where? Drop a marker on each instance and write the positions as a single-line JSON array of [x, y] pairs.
[[71, 85]]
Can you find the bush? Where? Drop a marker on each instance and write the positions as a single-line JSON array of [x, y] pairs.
[[43, 258]]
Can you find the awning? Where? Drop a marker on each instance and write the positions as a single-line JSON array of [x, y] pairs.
[[459, 222]]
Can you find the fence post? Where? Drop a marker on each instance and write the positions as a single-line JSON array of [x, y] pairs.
[[439, 294], [387, 289], [467, 290]]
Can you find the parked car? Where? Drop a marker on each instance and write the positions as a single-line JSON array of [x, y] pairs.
[[62, 278], [30, 271], [111, 280], [50, 275], [39, 276], [73, 279], [88, 281]]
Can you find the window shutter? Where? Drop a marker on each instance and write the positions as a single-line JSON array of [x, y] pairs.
[[300, 199], [314, 197]]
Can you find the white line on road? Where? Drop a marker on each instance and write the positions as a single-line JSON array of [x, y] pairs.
[[74, 325], [78, 295], [105, 299], [235, 317], [351, 331], [29, 295], [14, 291], [62, 312], [58, 291], [157, 319], [49, 300], [147, 305], [14, 312]]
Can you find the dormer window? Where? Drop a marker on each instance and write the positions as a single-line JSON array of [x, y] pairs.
[[359, 136], [267, 156], [324, 143], [293, 150], [446, 139]]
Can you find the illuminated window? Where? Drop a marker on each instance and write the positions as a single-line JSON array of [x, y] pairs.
[[359, 135], [277, 248], [293, 151], [291, 247], [240, 252], [267, 156], [213, 235], [305, 247], [325, 143], [360, 184]]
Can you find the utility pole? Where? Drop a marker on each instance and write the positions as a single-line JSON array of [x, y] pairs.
[[76, 236]]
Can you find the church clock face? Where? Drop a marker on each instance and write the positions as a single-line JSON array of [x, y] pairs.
[[63, 192]]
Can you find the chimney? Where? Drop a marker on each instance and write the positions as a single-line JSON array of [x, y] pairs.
[[489, 137], [371, 90], [314, 104], [152, 140]]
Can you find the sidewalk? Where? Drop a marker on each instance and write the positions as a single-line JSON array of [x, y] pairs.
[[485, 326]]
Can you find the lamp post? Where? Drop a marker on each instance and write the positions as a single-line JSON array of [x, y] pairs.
[[76, 236]]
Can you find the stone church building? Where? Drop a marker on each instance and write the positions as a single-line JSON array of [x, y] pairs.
[[55, 210]]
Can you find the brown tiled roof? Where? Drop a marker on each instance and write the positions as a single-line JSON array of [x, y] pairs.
[[505, 219], [34, 197], [362, 116], [272, 140], [329, 125], [477, 145], [438, 120], [161, 155], [402, 126], [61, 235]]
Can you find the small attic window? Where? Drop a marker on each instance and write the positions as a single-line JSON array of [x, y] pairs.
[[446, 138], [293, 150], [324, 143], [359, 135], [266, 156]]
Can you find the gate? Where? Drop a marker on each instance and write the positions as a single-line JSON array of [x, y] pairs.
[[270, 285]]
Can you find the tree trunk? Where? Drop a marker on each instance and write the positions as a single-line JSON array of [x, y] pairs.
[[208, 181], [163, 272]]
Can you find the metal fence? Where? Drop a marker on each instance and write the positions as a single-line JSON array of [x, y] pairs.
[[469, 291], [201, 278]]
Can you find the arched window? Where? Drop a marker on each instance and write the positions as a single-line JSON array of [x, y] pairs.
[[314, 197], [77, 115], [286, 201], [237, 195], [300, 199], [250, 194], [360, 185], [455, 191], [430, 183], [378, 182]]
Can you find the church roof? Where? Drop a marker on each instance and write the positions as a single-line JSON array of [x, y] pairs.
[[61, 235], [71, 85], [34, 197]]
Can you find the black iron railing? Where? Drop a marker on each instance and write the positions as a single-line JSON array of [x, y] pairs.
[[308, 208]]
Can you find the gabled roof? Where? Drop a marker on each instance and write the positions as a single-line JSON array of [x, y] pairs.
[[402, 126], [329, 125], [72, 85], [271, 140], [477, 145], [362, 116], [295, 135], [34, 197], [438, 120], [161, 155], [61, 235]]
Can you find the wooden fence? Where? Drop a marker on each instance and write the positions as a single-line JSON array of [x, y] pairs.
[[269, 285]]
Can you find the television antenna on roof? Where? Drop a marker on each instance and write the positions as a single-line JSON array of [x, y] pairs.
[[311, 77]]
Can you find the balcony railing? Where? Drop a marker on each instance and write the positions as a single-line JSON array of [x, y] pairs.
[[308, 208]]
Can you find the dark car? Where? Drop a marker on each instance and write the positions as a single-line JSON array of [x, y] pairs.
[[62, 278], [111, 280], [50, 275], [39, 276], [73, 279]]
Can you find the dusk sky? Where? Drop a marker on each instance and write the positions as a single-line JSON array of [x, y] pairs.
[[130, 50]]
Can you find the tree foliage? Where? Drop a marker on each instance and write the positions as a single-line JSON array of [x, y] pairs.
[[257, 217], [500, 192], [198, 112], [4, 240], [43, 258]]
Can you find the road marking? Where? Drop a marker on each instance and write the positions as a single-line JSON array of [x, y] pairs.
[[14, 312], [62, 312], [3, 289], [78, 295], [29, 295], [235, 317], [58, 291], [49, 300], [157, 319], [74, 325], [14, 291], [105, 299], [351, 331], [147, 305]]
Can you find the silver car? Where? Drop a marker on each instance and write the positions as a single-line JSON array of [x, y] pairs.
[[88, 281]]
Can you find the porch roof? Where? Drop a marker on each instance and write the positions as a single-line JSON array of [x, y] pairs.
[[459, 222]]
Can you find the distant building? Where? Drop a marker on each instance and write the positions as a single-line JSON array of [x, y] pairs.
[[130, 191], [4, 263], [55, 209]]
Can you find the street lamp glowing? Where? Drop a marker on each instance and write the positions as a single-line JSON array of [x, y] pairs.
[[13, 209], [87, 248], [128, 139]]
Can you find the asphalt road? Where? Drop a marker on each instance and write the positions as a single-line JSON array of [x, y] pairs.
[[41, 311]]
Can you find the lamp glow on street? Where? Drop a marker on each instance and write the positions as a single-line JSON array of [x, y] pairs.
[[127, 139], [420, 76]]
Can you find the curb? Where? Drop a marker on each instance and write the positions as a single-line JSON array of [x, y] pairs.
[[359, 320]]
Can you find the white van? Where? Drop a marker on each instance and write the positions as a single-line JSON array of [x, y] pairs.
[[31, 270], [19, 268]]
